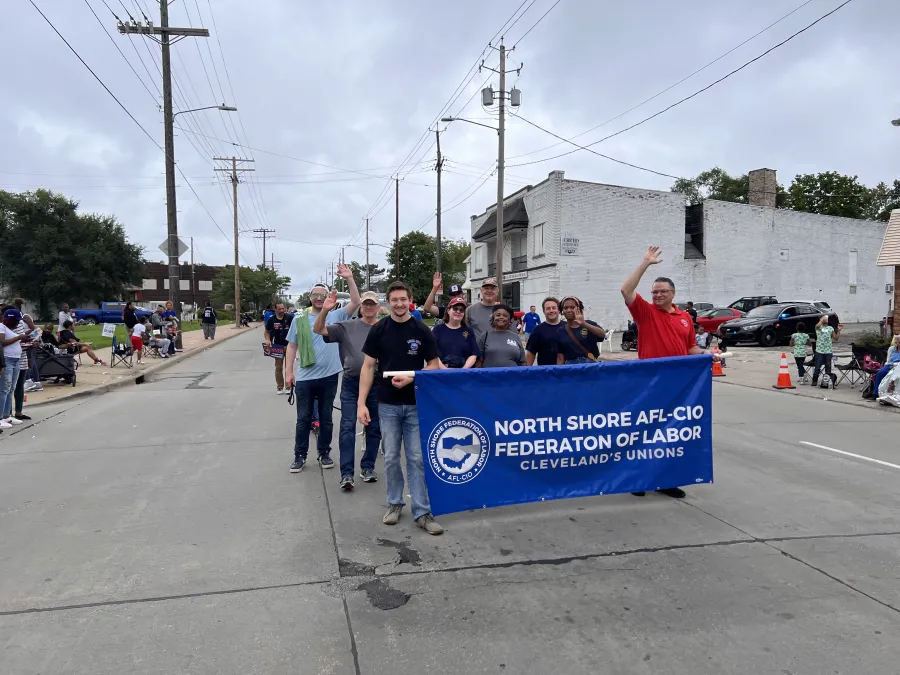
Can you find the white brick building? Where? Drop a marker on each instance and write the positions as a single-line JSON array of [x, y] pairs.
[[572, 237]]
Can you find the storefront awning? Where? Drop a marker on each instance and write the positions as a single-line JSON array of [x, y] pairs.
[[514, 216]]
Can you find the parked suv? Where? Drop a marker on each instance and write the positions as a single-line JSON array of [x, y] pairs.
[[749, 302], [770, 325]]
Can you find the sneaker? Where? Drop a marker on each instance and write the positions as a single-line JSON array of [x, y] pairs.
[[4, 424], [347, 483], [13, 420], [326, 462], [38, 387], [297, 466], [639, 494], [98, 363], [429, 524], [140, 363], [29, 384], [368, 476], [392, 517], [279, 392], [163, 356], [22, 417], [675, 493]]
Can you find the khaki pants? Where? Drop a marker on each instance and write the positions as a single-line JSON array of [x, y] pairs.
[[279, 373]]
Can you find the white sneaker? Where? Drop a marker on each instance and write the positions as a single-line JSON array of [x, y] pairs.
[[279, 392], [14, 421], [4, 424]]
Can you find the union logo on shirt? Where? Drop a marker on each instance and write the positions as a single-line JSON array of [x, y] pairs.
[[684, 323], [413, 347], [465, 334], [584, 332]]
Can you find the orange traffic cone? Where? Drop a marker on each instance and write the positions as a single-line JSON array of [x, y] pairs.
[[784, 375], [717, 365]]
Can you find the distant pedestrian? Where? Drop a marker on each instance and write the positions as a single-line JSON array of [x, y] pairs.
[[826, 336], [208, 321], [137, 340], [12, 353], [799, 342], [64, 315], [129, 318], [276, 333], [689, 308], [531, 321]]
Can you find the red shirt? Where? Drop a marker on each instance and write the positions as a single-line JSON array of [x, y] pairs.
[[661, 333]]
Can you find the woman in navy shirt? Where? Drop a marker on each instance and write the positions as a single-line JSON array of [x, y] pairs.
[[456, 341], [579, 339]]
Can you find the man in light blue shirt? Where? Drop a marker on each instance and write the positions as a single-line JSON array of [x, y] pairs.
[[316, 382]]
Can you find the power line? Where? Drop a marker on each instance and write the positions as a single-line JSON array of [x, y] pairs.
[[699, 91], [675, 84], [536, 23]]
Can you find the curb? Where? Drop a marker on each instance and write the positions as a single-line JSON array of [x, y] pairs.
[[164, 365], [856, 404]]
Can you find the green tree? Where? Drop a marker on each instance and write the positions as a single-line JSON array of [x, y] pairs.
[[53, 254], [259, 287], [831, 194], [359, 275], [716, 183], [417, 262]]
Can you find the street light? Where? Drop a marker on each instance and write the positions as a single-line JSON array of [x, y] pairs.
[[896, 122], [462, 119], [223, 107]]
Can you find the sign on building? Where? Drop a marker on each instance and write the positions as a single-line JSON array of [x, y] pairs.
[[568, 244]]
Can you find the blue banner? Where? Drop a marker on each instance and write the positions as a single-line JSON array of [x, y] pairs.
[[499, 436]]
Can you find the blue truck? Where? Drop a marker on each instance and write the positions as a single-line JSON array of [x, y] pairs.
[[107, 312]]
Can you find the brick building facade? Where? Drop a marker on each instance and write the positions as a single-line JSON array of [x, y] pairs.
[[196, 285], [574, 237]]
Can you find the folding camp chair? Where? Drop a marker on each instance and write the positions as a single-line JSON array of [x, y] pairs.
[[121, 353]]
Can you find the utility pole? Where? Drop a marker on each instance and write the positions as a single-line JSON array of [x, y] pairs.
[[165, 33], [501, 153], [193, 279], [368, 279], [234, 196], [264, 232], [397, 210], [440, 165]]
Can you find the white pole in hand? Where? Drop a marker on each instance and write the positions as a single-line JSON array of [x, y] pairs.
[[399, 373]]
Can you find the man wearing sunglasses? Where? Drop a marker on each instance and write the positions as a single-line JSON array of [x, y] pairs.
[[665, 330], [312, 368]]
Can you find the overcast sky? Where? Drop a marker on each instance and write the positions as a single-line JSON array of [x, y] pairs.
[[355, 84]]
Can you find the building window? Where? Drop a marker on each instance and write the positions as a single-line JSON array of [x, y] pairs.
[[204, 285], [519, 249], [492, 258], [149, 285], [537, 239], [693, 232], [852, 264], [184, 284], [479, 258], [166, 283]]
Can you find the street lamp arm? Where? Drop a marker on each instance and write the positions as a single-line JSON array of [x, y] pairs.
[[223, 107], [462, 119]]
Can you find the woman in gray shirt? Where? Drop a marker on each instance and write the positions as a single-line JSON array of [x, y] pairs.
[[499, 346]]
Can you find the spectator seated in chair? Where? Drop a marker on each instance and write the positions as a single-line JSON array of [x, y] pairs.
[[70, 342], [172, 333], [893, 359], [155, 342]]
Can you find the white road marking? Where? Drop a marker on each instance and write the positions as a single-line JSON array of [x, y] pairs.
[[851, 454]]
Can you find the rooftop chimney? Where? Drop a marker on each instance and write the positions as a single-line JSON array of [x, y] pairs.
[[763, 187]]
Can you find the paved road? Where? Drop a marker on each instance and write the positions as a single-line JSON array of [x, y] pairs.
[[156, 529]]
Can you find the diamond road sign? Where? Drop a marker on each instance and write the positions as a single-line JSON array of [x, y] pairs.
[[182, 247]]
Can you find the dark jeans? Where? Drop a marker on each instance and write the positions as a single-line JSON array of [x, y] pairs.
[[881, 375], [19, 392], [347, 437], [309, 392], [801, 371], [822, 360]]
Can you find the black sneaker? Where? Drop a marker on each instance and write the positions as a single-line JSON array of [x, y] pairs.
[[369, 476], [639, 494], [347, 483], [675, 493], [326, 462], [297, 466]]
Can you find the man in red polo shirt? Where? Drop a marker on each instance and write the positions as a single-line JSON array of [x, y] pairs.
[[663, 329]]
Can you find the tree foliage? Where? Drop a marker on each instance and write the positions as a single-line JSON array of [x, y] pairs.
[[51, 253], [359, 276], [828, 193], [259, 287], [417, 262]]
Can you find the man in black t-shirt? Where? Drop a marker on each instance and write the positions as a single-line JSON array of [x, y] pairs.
[[543, 343], [277, 327], [399, 343]]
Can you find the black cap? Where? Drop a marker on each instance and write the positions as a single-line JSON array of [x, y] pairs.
[[456, 289]]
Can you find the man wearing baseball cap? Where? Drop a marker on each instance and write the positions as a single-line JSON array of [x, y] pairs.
[[312, 368], [478, 316], [440, 311], [12, 353], [350, 336]]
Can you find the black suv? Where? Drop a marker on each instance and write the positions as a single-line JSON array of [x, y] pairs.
[[770, 325], [749, 302]]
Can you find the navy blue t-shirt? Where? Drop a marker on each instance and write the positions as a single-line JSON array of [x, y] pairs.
[[543, 342], [571, 350], [455, 345]]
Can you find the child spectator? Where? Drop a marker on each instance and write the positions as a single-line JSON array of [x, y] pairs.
[[799, 342]]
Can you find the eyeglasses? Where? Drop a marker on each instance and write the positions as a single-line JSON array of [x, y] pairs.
[[458, 308], [666, 292], [317, 296]]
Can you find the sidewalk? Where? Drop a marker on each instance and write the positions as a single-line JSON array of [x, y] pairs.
[[99, 379]]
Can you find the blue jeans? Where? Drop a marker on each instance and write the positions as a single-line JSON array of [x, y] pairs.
[[880, 376], [8, 387], [320, 391], [400, 423], [347, 437]]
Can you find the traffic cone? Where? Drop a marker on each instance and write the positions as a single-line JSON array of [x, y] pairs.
[[717, 365], [784, 375]]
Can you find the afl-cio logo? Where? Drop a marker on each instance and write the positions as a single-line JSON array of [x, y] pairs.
[[458, 449]]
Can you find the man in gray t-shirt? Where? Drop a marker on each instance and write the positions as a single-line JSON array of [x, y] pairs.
[[478, 316], [350, 337]]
